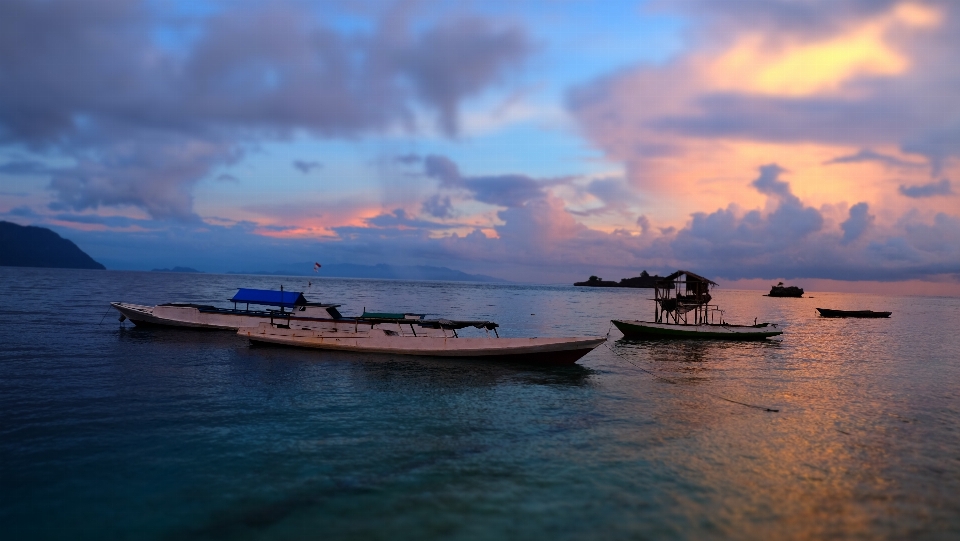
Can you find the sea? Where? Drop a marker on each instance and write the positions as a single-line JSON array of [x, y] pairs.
[[842, 428]]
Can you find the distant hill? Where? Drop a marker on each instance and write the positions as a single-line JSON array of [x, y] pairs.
[[381, 271], [31, 246], [178, 269]]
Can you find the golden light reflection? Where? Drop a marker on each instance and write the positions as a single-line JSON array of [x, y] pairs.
[[757, 65], [812, 470]]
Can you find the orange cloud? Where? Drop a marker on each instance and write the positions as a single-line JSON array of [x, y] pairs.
[[756, 63]]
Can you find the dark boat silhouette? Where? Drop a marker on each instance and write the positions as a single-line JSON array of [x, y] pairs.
[[827, 312]]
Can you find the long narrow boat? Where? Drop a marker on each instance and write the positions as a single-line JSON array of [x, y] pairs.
[[682, 309], [721, 331], [422, 338], [286, 305], [827, 312]]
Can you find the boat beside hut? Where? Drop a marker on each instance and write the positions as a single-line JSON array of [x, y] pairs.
[[682, 309]]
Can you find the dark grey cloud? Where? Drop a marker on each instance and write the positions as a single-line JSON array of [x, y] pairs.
[[867, 155], [305, 167], [438, 206], [858, 222], [442, 169], [399, 219], [453, 60], [644, 223], [502, 190], [769, 183], [153, 172], [91, 81], [932, 189], [788, 17]]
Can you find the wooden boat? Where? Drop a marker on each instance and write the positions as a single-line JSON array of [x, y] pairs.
[[722, 331], [422, 338], [285, 305], [780, 290], [682, 309], [827, 312]]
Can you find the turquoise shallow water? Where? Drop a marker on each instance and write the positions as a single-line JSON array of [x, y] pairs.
[[125, 433]]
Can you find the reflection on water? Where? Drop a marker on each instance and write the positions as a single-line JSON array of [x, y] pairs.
[[166, 433]]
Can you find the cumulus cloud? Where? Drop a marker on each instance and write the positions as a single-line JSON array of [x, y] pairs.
[[537, 239], [932, 189], [854, 227], [92, 81], [851, 74]]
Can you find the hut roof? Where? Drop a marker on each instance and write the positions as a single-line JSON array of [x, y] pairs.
[[690, 277]]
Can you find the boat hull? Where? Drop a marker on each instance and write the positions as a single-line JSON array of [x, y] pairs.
[[201, 317], [826, 312], [646, 329], [552, 351]]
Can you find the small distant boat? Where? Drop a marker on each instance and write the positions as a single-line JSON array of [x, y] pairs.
[[827, 312], [780, 290], [682, 310]]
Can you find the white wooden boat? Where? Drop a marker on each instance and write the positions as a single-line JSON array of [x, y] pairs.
[[682, 309], [421, 338], [287, 305]]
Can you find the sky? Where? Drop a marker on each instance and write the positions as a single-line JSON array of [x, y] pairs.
[[532, 140]]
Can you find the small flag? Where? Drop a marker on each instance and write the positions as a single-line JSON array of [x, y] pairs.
[[316, 266]]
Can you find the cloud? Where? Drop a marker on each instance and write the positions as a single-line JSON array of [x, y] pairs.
[[438, 207], [856, 224], [769, 183], [614, 195], [24, 167], [399, 219], [867, 155], [644, 223], [536, 238], [442, 169], [932, 189], [409, 159], [91, 81], [305, 167], [501, 190], [785, 75]]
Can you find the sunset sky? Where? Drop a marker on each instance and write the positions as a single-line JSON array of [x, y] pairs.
[[532, 140]]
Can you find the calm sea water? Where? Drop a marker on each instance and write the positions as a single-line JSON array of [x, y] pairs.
[[110, 432]]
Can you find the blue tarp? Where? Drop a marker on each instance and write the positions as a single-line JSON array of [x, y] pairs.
[[286, 299]]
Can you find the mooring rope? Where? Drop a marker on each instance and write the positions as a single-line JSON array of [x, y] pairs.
[[104, 315], [674, 382]]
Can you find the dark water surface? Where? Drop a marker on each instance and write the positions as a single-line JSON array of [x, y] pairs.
[[125, 433]]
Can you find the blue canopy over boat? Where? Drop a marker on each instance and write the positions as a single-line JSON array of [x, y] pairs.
[[286, 299]]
